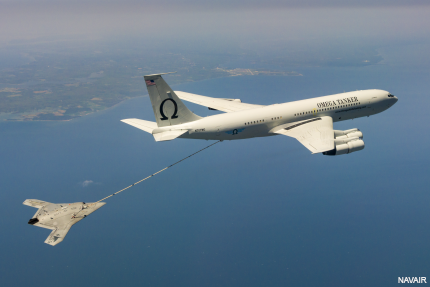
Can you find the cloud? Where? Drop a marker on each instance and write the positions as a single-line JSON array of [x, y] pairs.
[[86, 183]]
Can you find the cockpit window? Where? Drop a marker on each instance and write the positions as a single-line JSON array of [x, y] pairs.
[[390, 96]]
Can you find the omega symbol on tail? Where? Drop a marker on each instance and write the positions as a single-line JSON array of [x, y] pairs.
[[163, 116]]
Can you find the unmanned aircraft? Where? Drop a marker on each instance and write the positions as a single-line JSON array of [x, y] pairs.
[[59, 217]]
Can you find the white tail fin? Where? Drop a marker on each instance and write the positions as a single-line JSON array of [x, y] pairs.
[[168, 109]]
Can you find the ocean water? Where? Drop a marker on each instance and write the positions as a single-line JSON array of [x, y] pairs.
[[257, 212]]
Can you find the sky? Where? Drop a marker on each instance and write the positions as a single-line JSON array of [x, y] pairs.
[[216, 21]]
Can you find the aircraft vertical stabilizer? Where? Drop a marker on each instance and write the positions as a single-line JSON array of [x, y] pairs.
[[169, 110]]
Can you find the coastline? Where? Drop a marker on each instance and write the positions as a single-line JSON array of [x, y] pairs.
[[70, 118]]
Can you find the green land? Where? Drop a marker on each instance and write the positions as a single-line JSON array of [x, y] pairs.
[[62, 83]]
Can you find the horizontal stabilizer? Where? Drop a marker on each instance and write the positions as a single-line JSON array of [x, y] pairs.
[[168, 135], [146, 126]]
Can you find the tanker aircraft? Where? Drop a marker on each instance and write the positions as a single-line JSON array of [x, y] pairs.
[[309, 121]]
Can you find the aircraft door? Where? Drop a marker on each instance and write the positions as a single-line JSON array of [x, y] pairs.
[[315, 112]]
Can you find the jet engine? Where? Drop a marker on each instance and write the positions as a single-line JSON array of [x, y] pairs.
[[348, 134], [346, 142]]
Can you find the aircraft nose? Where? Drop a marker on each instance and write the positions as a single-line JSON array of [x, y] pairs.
[[392, 99]]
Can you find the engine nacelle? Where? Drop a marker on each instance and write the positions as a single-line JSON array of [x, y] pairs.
[[345, 146], [352, 133]]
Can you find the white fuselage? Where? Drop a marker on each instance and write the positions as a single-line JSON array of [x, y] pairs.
[[260, 121]]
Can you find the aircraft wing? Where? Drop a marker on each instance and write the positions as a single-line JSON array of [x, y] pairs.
[[35, 203], [62, 225], [225, 105], [57, 235], [316, 134]]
